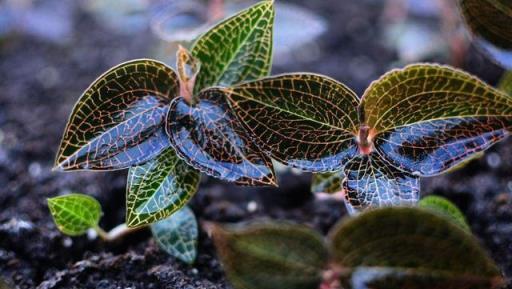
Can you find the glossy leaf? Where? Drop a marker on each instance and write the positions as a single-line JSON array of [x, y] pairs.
[[490, 22], [117, 122], [269, 256], [306, 121], [158, 188], [209, 138], [329, 183], [445, 208], [410, 248], [237, 49], [371, 182], [177, 235], [428, 118], [74, 214]]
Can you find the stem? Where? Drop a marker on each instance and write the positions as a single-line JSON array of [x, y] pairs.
[[117, 233]]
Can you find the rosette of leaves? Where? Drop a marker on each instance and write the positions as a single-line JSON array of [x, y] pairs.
[[144, 116], [418, 121], [386, 248], [490, 22]]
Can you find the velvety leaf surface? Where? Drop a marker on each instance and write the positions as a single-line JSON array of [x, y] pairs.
[[506, 83], [445, 208], [209, 138], [428, 118], [177, 235], [327, 182], [490, 19], [269, 256], [117, 122], [237, 49], [306, 121], [490, 22], [413, 247], [74, 214], [371, 182], [158, 188]]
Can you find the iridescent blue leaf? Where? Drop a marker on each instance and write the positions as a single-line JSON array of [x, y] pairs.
[[118, 121], [209, 138], [177, 235], [431, 147], [372, 182]]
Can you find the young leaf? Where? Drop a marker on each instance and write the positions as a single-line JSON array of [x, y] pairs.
[[269, 256], [158, 188], [118, 121], [371, 182], [445, 208], [329, 183], [177, 235], [74, 214], [209, 138], [237, 49], [490, 22], [306, 121], [428, 118], [410, 248]]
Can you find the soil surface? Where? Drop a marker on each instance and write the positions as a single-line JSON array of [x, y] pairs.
[[40, 80]]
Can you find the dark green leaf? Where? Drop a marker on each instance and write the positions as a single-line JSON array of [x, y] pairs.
[[428, 118], [445, 208], [159, 188], [177, 235], [269, 256], [329, 183], [118, 121], [211, 140], [74, 214], [237, 49], [506, 83], [371, 182], [490, 22], [305, 121], [410, 248]]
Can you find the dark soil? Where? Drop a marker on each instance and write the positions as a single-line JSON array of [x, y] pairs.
[[40, 81]]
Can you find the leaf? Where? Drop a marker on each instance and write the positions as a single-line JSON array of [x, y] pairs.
[[428, 118], [209, 138], [370, 182], [490, 22], [306, 121], [445, 208], [506, 83], [410, 248], [237, 49], [329, 183], [74, 214], [269, 256], [158, 188], [177, 235], [117, 123]]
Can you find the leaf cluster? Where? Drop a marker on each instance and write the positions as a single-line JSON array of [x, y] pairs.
[[399, 247], [220, 114]]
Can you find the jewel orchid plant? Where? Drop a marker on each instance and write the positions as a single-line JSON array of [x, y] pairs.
[[221, 114]]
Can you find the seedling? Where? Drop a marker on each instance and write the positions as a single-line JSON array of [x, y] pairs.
[[384, 248], [419, 121], [120, 122], [75, 214]]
